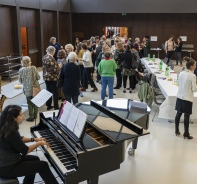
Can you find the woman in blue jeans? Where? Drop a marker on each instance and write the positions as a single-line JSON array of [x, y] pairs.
[[107, 68]]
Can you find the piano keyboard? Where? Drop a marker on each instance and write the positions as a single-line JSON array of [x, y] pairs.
[[58, 152]]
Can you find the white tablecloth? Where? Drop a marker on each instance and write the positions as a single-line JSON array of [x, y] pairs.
[[169, 90]]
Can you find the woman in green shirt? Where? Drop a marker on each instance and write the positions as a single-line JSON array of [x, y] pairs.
[[106, 69]]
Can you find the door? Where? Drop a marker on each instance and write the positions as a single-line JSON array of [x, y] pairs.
[[24, 42]]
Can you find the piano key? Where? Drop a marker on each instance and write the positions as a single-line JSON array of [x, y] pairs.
[[55, 158]]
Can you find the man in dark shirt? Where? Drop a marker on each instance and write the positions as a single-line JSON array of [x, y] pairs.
[[56, 45]]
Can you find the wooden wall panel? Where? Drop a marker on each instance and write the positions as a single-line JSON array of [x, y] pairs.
[[63, 28], [49, 23], [28, 18], [7, 33]]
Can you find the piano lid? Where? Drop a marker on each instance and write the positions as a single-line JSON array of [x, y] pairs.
[[114, 125]]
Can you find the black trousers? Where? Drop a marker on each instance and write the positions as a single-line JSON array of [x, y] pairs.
[[81, 68], [28, 167], [186, 123], [71, 97], [169, 55], [87, 78], [51, 87], [132, 81], [119, 78], [98, 77]]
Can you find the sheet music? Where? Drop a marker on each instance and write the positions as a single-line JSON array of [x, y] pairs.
[[49, 114], [65, 114], [81, 121], [41, 98], [117, 103], [73, 118]]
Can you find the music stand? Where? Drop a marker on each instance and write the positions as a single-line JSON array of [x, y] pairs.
[[41, 98]]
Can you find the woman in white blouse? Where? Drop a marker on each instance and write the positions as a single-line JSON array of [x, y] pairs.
[[185, 97], [87, 63]]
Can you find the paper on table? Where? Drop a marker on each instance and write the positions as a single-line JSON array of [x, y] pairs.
[[117, 103], [49, 114], [81, 121], [67, 108], [41, 98], [73, 118]]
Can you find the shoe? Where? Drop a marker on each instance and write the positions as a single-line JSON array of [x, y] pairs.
[[124, 91], [130, 91], [106, 95], [83, 89], [30, 119], [94, 89], [114, 93], [56, 108], [116, 87], [50, 107], [188, 136], [81, 94], [177, 133]]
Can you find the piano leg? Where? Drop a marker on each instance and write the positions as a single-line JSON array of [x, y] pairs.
[[134, 146], [93, 180]]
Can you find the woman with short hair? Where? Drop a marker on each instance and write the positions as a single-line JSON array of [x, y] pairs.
[[87, 63], [185, 97], [50, 75], [14, 158], [70, 74], [56, 45], [106, 69], [29, 76]]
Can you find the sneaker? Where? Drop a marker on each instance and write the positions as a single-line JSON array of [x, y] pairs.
[[30, 119], [81, 94]]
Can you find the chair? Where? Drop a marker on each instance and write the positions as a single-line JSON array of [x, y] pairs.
[[9, 180], [153, 83], [157, 99]]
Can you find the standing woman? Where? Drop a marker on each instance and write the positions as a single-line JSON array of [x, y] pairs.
[[79, 53], [169, 47], [69, 48], [106, 69], [128, 70], [50, 75], [118, 57], [70, 74], [56, 45], [178, 50], [87, 63], [14, 161], [185, 97], [29, 76]]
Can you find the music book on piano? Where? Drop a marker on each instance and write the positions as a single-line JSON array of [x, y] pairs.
[[138, 107], [73, 118]]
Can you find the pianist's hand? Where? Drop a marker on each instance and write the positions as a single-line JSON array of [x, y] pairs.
[[44, 143], [39, 139]]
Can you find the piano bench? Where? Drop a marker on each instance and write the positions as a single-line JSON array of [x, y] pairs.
[[9, 180]]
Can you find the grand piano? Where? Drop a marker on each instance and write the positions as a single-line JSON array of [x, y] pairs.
[[101, 148]]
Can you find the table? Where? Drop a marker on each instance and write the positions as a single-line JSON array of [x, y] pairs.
[[169, 90], [156, 49], [16, 96]]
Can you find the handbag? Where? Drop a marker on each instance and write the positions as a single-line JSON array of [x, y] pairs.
[[36, 89]]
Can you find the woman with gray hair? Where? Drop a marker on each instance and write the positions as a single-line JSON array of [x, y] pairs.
[[70, 74], [56, 45], [50, 75], [29, 76]]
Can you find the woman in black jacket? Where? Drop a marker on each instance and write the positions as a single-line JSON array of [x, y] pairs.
[[178, 50], [129, 69], [14, 158], [70, 74], [118, 57]]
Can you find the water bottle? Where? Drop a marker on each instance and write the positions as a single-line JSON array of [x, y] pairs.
[[167, 71], [154, 57], [161, 65], [148, 57]]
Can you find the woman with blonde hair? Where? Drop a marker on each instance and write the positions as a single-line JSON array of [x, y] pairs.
[[29, 76], [69, 48]]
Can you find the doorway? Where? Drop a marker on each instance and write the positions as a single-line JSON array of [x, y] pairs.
[[24, 42]]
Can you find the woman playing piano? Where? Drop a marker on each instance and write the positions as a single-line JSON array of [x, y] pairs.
[[14, 161]]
